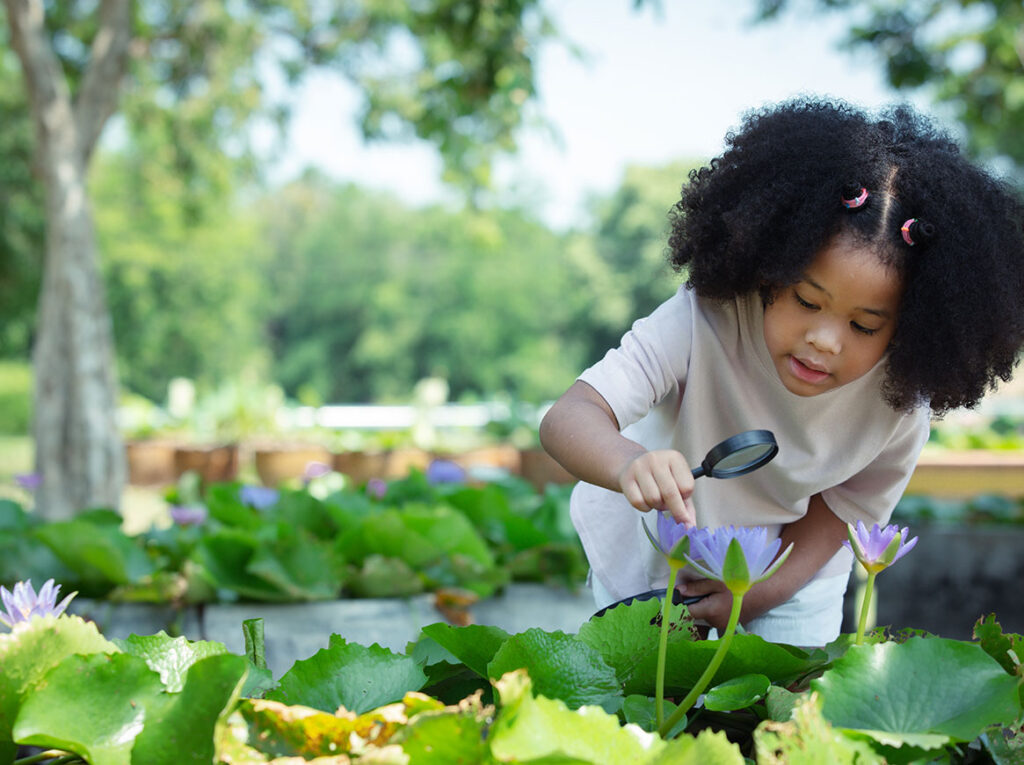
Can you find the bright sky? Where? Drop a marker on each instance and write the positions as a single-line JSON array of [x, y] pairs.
[[655, 87]]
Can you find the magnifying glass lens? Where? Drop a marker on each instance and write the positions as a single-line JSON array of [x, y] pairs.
[[745, 457]]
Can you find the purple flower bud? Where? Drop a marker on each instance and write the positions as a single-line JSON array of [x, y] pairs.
[[24, 604], [376, 488], [258, 497], [445, 471], [315, 470], [29, 481], [189, 515]]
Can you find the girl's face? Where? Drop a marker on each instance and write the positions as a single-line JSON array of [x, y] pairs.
[[835, 324]]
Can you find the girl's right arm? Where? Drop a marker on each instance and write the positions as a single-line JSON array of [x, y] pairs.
[[582, 433]]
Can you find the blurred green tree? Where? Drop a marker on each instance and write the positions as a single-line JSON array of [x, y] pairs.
[[966, 54], [625, 261], [370, 296], [457, 73]]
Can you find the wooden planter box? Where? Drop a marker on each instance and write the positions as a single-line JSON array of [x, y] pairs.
[[212, 463], [362, 466], [150, 462], [276, 464], [964, 474]]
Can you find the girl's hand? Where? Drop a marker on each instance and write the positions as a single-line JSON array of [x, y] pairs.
[[716, 605], [660, 480]]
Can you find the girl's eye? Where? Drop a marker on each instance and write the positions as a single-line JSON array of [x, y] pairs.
[[863, 330], [804, 303]]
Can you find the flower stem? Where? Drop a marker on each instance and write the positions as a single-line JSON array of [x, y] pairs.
[[869, 589], [709, 671], [666, 610]]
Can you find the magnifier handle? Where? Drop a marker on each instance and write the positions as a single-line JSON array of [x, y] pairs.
[[698, 471]]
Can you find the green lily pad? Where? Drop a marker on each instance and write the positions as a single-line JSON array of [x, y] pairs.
[[560, 667], [738, 693], [627, 636], [170, 657], [98, 552], [356, 677], [31, 650], [642, 711], [894, 693], [474, 645], [748, 654], [707, 748], [808, 739], [443, 738], [539, 729], [94, 706], [179, 727], [381, 577]]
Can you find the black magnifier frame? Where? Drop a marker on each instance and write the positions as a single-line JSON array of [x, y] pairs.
[[760, 442]]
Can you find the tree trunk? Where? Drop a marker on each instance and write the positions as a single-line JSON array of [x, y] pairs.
[[79, 453]]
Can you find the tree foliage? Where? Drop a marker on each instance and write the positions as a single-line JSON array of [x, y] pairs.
[[967, 54]]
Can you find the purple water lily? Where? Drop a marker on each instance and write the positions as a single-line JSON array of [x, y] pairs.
[[737, 556], [878, 548], [670, 534], [258, 497], [24, 603], [189, 515], [445, 471], [28, 481]]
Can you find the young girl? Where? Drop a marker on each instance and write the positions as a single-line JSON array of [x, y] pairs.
[[847, 277]]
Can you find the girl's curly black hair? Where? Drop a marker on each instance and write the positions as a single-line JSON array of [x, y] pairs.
[[754, 218]]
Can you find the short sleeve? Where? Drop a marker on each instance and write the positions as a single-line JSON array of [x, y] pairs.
[[651, 360], [871, 494]]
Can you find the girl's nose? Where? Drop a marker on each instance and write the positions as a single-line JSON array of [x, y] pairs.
[[825, 337]]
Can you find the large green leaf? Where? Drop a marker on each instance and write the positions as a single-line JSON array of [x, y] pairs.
[[349, 675], [449, 530], [627, 636], [301, 510], [222, 559], [443, 738], [738, 693], [925, 692], [808, 739], [561, 667], [381, 577], [474, 645], [299, 567], [537, 729], [98, 552], [748, 654], [179, 727], [387, 534], [170, 657], [29, 652], [92, 705]]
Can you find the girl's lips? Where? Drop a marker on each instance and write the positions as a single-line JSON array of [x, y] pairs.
[[803, 372]]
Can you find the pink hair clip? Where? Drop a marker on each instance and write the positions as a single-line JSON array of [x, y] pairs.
[[905, 230], [853, 198]]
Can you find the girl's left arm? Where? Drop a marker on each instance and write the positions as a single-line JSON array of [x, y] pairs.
[[816, 537]]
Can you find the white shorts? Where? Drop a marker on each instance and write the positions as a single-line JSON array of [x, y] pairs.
[[812, 617]]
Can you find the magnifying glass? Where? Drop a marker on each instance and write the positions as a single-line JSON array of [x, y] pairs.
[[738, 455]]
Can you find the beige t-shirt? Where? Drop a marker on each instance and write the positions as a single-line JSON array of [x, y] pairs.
[[846, 443]]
